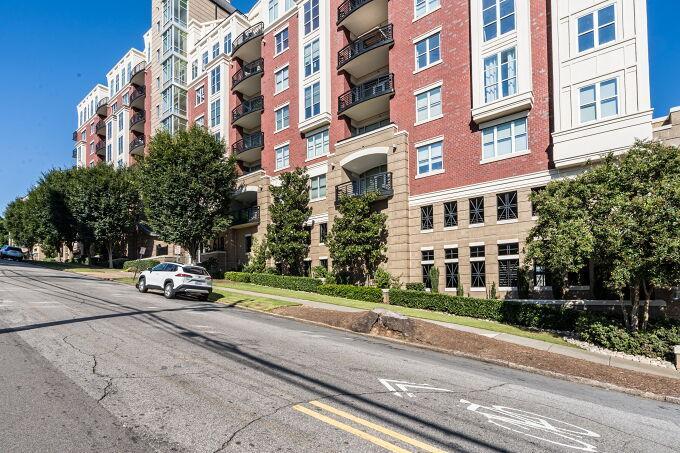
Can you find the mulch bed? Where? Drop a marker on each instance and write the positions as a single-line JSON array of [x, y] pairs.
[[499, 351]]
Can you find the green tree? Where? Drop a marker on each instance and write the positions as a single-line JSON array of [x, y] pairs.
[[187, 185], [258, 257], [3, 232], [287, 237], [21, 224], [357, 241]]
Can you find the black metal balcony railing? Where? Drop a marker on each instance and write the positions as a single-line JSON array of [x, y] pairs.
[[247, 107], [141, 67], [102, 103], [248, 142], [75, 153], [380, 183], [100, 127], [348, 7], [247, 215], [376, 38], [137, 143], [247, 35], [137, 93], [100, 148], [248, 70], [369, 90], [75, 136], [137, 118]]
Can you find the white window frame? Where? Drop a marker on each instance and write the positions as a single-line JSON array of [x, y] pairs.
[[313, 139], [283, 161], [497, 21], [499, 78], [311, 46], [427, 91], [311, 17], [451, 261], [215, 80], [318, 189], [428, 144], [426, 38], [281, 70], [513, 139], [216, 119], [311, 88], [276, 41], [598, 100], [596, 28], [429, 8], [200, 95], [276, 118]]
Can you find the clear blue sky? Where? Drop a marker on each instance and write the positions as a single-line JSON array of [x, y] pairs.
[[54, 52]]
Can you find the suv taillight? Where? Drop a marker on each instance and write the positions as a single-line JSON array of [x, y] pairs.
[[183, 275]]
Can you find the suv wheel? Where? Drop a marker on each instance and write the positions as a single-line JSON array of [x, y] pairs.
[[169, 291], [141, 285]]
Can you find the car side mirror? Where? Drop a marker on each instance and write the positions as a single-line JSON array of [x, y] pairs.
[[150, 269]]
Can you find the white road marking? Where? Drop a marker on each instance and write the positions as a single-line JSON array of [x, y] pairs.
[[545, 428], [403, 386]]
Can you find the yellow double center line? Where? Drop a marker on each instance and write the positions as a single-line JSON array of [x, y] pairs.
[[363, 435]]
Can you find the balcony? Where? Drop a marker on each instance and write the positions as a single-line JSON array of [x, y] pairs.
[[75, 136], [359, 16], [75, 153], [247, 80], [247, 114], [380, 183], [138, 74], [100, 149], [137, 98], [246, 46], [367, 53], [103, 107], [246, 217], [101, 128], [137, 146], [248, 149], [137, 121], [368, 99]]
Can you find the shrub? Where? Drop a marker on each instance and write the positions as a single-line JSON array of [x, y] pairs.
[[383, 279], [282, 281], [239, 277], [365, 293], [434, 279], [140, 265], [415, 286], [118, 263], [322, 272], [463, 306]]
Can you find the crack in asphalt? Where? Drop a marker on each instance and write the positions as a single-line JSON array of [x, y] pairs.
[[250, 423], [109, 389]]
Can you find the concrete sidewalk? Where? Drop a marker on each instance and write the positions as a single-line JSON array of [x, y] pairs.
[[573, 352]]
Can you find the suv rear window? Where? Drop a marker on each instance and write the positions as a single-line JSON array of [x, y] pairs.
[[14, 249], [194, 270]]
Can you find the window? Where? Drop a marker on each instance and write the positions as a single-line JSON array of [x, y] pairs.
[[477, 267], [311, 16], [426, 218], [215, 113], [599, 101], [109, 153], [126, 99], [205, 60], [540, 276], [311, 58], [498, 17], [423, 7], [317, 144], [281, 79], [312, 100], [121, 121], [282, 118], [505, 139], [200, 121], [450, 214], [289, 4], [281, 41], [499, 83], [476, 210], [426, 262], [200, 95], [215, 50], [273, 10], [83, 136], [506, 206], [323, 233], [109, 130], [430, 158], [323, 262], [508, 264], [534, 192], [429, 105], [282, 157], [120, 145], [596, 28], [227, 44], [215, 80], [427, 51], [317, 187], [451, 265], [249, 243]]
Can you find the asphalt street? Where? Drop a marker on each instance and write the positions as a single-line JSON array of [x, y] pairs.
[[90, 366]]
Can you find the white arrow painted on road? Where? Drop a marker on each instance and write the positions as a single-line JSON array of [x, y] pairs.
[[403, 387]]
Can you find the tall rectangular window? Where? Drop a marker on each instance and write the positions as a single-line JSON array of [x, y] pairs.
[[506, 206], [500, 75], [477, 267], [429, 105], [317, 187], [312, 100], [508, 264], [282, 157], [430, 158], [596, 28], [120, 145], [323, 233], [599, 101], [505, 139], [281, 79], [498, 17], [317, 144], [215, 50], [427, 51], [215, 79], [534, 192], [311, 16], [451, 265], [311, 58], [281, 40], [423, 7], [450, 214], [426, 263], [227, 44], [215, 113], [273, 10], [476, 210], [204, 60], [200, 95], [426, 218], [282, 117]]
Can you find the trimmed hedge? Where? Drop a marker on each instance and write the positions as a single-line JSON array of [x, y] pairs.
[[239, 277], [462, 306], [364, 293], [275, 281], [140, 265], [415, 286]]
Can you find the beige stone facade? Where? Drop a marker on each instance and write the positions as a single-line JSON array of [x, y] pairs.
[[667, 128]]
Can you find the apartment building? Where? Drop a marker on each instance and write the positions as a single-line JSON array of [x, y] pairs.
[[452, 111], [92, 111]]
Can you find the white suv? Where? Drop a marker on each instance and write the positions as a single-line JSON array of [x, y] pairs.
[[175, 279]]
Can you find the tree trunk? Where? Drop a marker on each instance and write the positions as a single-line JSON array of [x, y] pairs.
[[645, 307], [635, 307], [626, 320], [110, 254]]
